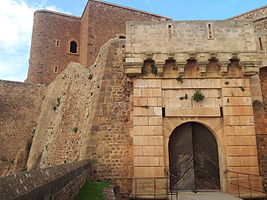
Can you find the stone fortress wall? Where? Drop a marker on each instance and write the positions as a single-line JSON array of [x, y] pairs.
[[50, 28], [114, 114], [53, 32], [259, 18], [217, 57], [20, 106], [85, 115]]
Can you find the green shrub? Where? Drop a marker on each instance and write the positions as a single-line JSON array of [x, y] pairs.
[[75, 129], [198, 96], [146, 107], [180, 79]]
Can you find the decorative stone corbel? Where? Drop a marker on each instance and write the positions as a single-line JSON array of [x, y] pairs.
[[202, 62], [223, 66], [202, 67], [181, 61], [181, 67], [133, 66], [224, 62], [160, 60], [250, 64], [160, 66], [250, 68]]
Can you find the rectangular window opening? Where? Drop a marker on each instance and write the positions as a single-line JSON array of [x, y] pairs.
[[221, 111], [163, 112], [56, 70], [261, 46], [210, 34], [57, 43]]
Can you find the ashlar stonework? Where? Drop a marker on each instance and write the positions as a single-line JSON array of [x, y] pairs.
[[137, 82]]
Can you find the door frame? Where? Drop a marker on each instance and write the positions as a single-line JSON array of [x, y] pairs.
[[215, 126]]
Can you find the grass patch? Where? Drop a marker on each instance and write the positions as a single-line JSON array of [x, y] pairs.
[[92, 191]]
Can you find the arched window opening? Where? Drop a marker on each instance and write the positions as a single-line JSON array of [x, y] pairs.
[[73, 47]]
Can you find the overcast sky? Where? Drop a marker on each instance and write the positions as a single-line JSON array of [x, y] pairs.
[[16, 18]]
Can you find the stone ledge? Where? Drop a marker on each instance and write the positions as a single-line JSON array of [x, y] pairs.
[[192, 112]]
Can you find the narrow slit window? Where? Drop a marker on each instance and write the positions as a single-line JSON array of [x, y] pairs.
[[221, 111], [57, 43], [55, 69], [73, 47], [210, 33], [261, 46], [163, 112]]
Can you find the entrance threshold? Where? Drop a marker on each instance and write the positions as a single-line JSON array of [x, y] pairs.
[[203, 195]]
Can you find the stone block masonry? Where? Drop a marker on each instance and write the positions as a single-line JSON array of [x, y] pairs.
[[53, 32], [20, 106], [56, 183], [86, 114]]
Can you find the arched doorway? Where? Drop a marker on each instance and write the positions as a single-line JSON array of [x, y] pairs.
[[193, 157]]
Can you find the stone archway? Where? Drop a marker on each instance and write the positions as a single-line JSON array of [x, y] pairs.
[[193, 157]]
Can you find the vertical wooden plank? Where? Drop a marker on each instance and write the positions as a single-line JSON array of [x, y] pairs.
[[206, 162], [181, 158]]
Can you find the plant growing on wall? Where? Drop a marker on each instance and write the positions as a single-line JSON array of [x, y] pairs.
[[198, 96], [75, 129], [180, 79], [145, 106], [57, 104]]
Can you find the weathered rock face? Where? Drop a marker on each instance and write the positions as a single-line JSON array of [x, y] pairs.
[[19, 109], [85, 114]]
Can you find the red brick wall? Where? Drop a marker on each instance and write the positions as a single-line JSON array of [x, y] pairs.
[[45, 56]]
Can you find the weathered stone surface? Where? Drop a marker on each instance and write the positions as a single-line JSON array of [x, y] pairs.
[[60, 182], [20, 106], [87, 118]]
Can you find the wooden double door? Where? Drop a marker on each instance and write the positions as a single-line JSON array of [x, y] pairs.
[[193, 157]]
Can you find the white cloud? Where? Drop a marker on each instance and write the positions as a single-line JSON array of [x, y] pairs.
[[16, 18]]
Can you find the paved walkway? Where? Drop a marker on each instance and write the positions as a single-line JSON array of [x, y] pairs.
[[204, 196]]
